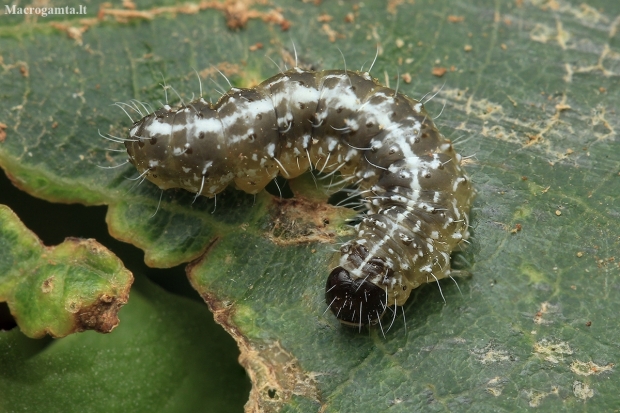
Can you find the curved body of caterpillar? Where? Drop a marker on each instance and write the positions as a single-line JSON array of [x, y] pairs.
[[417, 194]]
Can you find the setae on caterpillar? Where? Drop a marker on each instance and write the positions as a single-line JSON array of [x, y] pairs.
[[417, 194]]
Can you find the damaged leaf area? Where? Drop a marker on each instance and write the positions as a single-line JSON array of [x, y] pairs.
[[301, 220], [276, 286], [307, 217], [75, 286], [275, 373], [276, 376]]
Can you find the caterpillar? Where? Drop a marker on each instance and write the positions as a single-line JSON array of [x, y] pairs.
[[416, 192]]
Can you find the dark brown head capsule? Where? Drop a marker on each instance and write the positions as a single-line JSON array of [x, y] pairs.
[[355, 302]]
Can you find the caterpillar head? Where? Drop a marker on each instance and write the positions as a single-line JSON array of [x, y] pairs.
[[354, 301]]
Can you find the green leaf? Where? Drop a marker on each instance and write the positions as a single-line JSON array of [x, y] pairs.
[[530, 89], [78, 285], [165, 356]]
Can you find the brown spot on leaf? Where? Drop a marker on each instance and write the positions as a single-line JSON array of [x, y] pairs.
[[48, 285], [552, 350], [392, 5], [2, 132], [439, 71], [590, 368], [101, 316], [456, 19], [238, 12], [129, 4], [229, 69], [74, 32], [331, 33]]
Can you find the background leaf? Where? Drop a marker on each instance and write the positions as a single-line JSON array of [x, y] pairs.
[[530, 89]]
